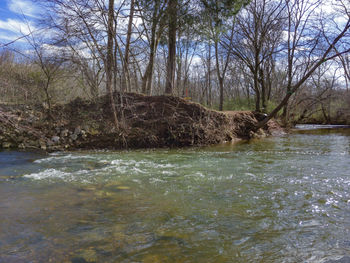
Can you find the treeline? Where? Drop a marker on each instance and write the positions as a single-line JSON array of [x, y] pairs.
[[286, 57]]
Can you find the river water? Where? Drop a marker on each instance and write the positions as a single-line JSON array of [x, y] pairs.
[[279, 199]]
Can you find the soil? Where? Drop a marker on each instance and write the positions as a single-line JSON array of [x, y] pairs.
[[145, 122]]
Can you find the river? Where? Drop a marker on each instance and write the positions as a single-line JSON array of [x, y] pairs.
[[279, 199]]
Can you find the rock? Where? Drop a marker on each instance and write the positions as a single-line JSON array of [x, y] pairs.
[[89, 255], [55, 139], [42, 144], [31, 143], [64, 133], [121, 187], [93, 131], [74, 137], [345, 259], [77, 131], [6, 145], [21, 146], [78, 260], [83, 133]]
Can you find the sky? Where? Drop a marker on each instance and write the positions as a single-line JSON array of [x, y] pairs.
[[13, 14]]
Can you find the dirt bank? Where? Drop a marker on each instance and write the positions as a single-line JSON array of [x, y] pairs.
[[146, 122]]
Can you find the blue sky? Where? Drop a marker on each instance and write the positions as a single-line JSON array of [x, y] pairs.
[[12, 21]]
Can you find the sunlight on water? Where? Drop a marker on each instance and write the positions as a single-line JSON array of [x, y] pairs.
[[284, 199]]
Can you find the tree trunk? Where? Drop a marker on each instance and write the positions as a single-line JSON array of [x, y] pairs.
[[220, 78], [263, 90], [109, 61], [48, 98], [221, 86], [147, 79], [136, 80], [126, 76], [170, 77], [178, 77], [257, 92], [257, 100], [209, 101]]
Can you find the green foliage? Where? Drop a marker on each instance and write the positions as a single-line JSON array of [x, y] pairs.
[[271, 105], [240, 104], [221, 10], [214, 16]]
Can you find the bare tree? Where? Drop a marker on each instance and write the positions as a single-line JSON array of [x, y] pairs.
[[316, 95], [219, 17], [109, 60], [306, 52], [186, 51], [153, 16], [48, 62], [126, 84], [258, 37], [172, 29]]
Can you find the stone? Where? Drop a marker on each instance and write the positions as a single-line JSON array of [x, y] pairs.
[[6, 145], [55, 139], [89, 255], [21, 146], [121, 187], [77, 131], [74, 137], [64, 133], [93, 131], [345, 259], [42, 144], [78, 260]]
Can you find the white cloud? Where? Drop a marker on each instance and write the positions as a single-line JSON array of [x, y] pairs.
[[17, 26], [25, 7], [10, 38]]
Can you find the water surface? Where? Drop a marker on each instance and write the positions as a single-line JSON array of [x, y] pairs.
[[281, 199]]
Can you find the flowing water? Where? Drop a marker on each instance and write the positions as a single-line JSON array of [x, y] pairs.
[[279, 199]]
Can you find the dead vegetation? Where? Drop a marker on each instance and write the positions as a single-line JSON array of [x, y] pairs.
[[145, 121]]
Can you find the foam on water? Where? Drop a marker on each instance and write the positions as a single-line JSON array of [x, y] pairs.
[[65, 158], [84, 176], [49, 173]]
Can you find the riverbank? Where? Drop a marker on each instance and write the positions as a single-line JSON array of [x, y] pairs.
[[145, 122]]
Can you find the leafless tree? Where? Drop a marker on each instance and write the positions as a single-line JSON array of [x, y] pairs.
[[153, 16], [258, 38], [44, 57], [308, 47]]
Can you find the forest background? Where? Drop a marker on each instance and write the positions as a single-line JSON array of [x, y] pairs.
[[288, 58]]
